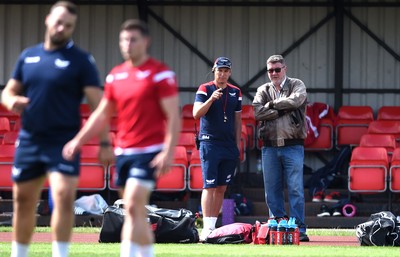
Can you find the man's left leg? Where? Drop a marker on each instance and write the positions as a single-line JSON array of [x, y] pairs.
[[64, 193], [293, 168]]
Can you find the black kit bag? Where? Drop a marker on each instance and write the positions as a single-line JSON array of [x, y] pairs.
[[173, 226], [382, 229], [169, 226], [113, 220]]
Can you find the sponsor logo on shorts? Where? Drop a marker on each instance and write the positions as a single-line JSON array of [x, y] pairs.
[[66, 167], [210, 181], [16, 171], [136, 172], [228, 178], [16, 144], [205, 137]]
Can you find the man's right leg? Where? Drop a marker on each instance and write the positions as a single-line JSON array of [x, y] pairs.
[[137, 236], [26, 195], [273, 182]]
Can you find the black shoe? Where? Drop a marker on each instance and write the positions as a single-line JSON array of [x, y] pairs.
[[304, 237]]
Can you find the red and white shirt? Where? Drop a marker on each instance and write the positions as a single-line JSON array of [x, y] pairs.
[[137, 93]]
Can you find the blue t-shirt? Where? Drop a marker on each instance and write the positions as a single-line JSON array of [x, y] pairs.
[[214, 126], [54, 82]]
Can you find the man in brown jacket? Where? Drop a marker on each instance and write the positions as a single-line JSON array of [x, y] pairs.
[[280, 107]]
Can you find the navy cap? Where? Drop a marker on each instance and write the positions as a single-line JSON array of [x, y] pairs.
[[222, 62]]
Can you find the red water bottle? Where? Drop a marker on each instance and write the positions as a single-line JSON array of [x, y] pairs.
[[296, 236], [273, 226]]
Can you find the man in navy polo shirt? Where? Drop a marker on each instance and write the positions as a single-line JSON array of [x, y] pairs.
[[46, 88], [218, 105]]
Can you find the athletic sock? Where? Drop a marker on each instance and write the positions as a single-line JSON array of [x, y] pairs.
[[60, 249], [146, 251], [19, 250], [129, 249], [206, 223], [213, 221]]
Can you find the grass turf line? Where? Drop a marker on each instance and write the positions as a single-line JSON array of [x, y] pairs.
[[310, 232], [202, 250]]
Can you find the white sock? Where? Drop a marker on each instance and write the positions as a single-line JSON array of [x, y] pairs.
[[213, 221], [60, 249], [128, 249], [206, 223], [19, 250], [146, 251]]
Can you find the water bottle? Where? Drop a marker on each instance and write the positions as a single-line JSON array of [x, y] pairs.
[[281, 238], [273, 227], [296, 233], [290, 231]]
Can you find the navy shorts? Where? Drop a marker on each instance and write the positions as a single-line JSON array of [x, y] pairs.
[[218, 164], [135, 166], [35, 159]]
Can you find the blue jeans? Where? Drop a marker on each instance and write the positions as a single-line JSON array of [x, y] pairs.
[[282, 164]]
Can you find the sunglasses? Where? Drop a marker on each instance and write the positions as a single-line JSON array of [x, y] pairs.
[[277, 70]]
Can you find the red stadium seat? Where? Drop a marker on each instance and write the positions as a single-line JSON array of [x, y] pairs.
[[394, 183], [93, 174], [324, 142], [379, 140], [17, 125], [389, 113], [386, 127], [11, 116], [10, 138], [175, 179], [368, 170], [4, 126], [249, 121], [195, 173], [6, 163], [187, 111], [190, 125], [187, 140], [352, 122]]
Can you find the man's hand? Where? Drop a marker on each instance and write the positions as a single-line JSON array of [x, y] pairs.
[[71, 149], [161, 162], [106, 155], [217, 94], [18, 104]]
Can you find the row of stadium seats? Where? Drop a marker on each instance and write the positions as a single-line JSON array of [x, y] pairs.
[[346, 128], [371, 171], [95, 176]]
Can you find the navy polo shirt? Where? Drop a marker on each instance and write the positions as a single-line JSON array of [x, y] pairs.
[[54, 82], [213, 128]]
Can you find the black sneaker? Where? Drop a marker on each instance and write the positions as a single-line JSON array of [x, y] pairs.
[[324, 211], [304, 237]]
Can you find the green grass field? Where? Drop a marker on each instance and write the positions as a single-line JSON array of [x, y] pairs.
[[204, 250]]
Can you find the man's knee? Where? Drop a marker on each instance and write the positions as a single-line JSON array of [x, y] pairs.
[[220, 190]]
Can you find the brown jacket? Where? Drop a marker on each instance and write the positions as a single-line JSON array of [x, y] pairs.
[[282, 119]]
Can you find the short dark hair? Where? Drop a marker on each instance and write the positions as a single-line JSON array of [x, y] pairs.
[[134, 24], [71, 7]]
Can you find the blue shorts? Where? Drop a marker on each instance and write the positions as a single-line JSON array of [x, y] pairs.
[[135, 166], [34, 159], [218, 164]]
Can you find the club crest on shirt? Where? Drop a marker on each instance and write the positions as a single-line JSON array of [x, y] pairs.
[[61, 64]]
